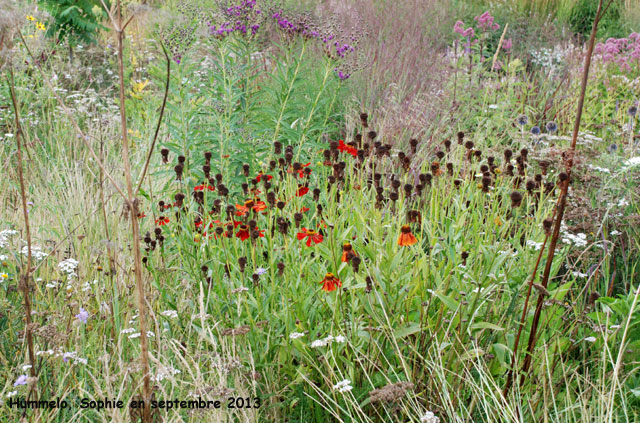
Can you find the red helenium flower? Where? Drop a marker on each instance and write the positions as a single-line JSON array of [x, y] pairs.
[[243, 233], [302, 190], [311, 235], [346, 148], [259, 206], [330, 282], [203, 187], [406, 238], [162, 221], [262, 175]]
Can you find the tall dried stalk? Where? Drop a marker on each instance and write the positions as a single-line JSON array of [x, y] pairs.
[[130, 197], [25, 278], [562, 201], [132, 203]]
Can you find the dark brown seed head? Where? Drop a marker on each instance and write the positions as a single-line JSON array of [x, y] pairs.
[[516, 199]]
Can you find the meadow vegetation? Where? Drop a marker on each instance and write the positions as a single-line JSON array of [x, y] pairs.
[[324, 211]]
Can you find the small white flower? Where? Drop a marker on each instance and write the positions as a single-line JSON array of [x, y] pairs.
[[296, 335], [343, 386], [128, 330], [170, 313], [340, 339], [615, 232], [318, 343], [535, 245], [429, 417], [52, 284], [579, 274], [590, 339], [633, 161], [12, 394]]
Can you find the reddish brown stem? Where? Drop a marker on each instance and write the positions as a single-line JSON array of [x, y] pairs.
[[563, 197], [132, 204], [25, 278]]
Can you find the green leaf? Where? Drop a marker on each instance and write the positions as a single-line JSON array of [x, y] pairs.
[[486, 325], [406, 331], [471, 354]]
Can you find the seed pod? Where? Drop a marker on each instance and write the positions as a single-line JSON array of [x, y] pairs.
[[165, 155], [516, 199]]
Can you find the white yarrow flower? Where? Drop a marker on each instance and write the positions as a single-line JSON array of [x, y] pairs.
[[296, 335], [343, 386], [429, 417], [170, 313]]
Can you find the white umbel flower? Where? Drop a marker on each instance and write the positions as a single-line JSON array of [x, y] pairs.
[[343, 386], [429, 417], [296, 335]]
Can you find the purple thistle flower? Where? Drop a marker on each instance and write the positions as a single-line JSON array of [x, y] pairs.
[[83, 316], [22, 380]]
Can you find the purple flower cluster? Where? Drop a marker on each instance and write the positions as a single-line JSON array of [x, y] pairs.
[[507, 44], [291, 27], [241, 19], [459, 28], [342, 75], [486, 22], [620, 51], [304, 26]]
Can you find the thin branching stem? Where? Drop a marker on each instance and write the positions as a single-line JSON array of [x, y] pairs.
[[563, 196]]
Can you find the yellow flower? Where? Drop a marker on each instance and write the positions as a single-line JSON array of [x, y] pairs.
[[41, 26], [4, 275], [497, 221], [138, 87], [30, 18]]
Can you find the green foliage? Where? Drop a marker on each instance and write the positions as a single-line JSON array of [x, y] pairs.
[[75, 20], [583, 13]]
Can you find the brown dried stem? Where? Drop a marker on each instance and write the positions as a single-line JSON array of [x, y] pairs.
[[563, 193], [133, 215], [25, 278]]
